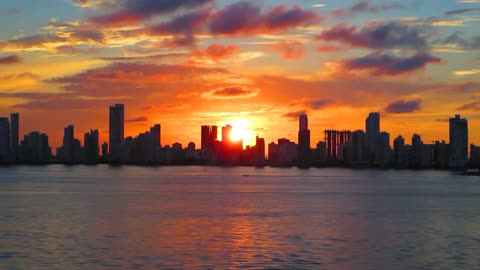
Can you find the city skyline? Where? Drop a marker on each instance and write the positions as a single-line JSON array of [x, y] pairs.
[[254, 64], [368, 147]]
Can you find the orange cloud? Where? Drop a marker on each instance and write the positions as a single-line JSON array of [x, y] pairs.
[[289, 49]]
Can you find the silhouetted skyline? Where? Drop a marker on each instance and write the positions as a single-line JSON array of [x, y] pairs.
[[370, 147], [262, 63]]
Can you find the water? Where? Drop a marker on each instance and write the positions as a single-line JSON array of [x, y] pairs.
[[101, 217]]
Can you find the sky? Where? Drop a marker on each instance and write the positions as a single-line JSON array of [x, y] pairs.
[[254, 64]]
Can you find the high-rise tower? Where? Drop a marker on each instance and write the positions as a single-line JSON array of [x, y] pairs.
[[303, 142], [458, 142], [116, 131]]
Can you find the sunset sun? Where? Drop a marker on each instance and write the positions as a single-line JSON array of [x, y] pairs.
[[241, 130]]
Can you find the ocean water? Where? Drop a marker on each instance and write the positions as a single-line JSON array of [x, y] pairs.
[[101, 217]]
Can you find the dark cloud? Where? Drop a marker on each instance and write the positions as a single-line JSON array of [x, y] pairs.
[[248, 18], [135, 11], [459, 40], [319, 103], [387, 64], [184, 24], [362, 6], [462, 11], [137, 120], [377, 36], [231, 92], [474, 106], [404, 106], [89, 36], [314, 104], [10, 59], [293, 115], [289, 49]]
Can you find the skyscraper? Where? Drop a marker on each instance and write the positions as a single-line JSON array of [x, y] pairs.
[[303, 122], [4, 139], [303, 142], [68, 137], [116, 131], [91, 147], [14, 132], [458, 142], [372, 128]]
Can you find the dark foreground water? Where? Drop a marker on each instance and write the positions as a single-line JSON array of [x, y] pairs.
[[102, 217]]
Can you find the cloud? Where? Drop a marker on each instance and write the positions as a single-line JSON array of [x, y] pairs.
[[458, 41], [17, 76], [244, 18], [136, 11], [387, 35], [378, 63], [293, 115], [289, 49], [95, 3], [132, 80], [185, 24], [144, 57], [474, 106], [404, 106], [362, 6], [137, 120], [35, 42], [10, 59], [231, 92], [314, 104], [461, 11], [214, 53], [466, 72]]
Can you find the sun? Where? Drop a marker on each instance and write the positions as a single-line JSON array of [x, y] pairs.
[[241, 130]]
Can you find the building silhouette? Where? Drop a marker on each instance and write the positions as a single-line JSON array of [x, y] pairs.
[[334, 138], [304, 151], [35, 148], [67, 151], [458, 142], [116, 132], [91, 147], [4, 139], [14, 134], [372, 129]]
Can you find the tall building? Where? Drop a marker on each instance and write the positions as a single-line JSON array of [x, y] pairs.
[[156, 133], [372, 128], [458, 142], [334, 138], [383, 150], [359, 147], [4, 139], [416, 155], [304, 152], [303, 122], [35, 148], [399, 152], [68, 144], [116, 131], [91, 147], [259, 158], [14, 132]]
